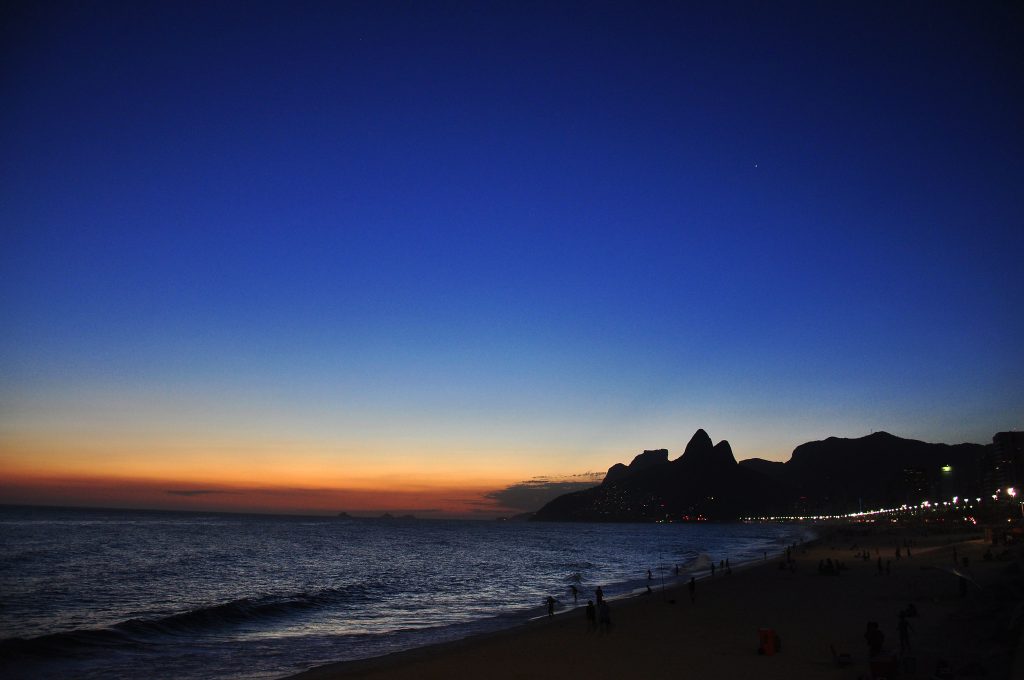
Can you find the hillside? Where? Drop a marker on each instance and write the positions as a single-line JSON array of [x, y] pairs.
[[833, 475]]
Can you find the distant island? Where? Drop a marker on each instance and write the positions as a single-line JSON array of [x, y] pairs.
[[833, 476], [386, 515]]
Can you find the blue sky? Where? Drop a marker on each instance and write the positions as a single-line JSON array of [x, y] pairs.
[[549, 234]]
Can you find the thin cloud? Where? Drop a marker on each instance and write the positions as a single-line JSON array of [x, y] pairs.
[[533, 494], [197, 492]]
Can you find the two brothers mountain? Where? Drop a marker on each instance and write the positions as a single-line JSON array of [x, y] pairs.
[[833, 476]]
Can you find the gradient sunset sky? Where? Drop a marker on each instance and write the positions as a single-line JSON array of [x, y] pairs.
[[324, 256]]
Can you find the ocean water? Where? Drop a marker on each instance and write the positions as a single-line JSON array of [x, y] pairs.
[[128, 594]]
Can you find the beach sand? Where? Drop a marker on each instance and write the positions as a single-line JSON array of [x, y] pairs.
[[717, 635]]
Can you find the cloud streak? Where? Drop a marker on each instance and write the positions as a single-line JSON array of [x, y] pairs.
[[197, 492], [532, 494]]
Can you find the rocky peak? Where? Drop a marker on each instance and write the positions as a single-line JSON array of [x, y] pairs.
[[641, 461], [649, 459], [723, 453], [698, 448], [702, 453]]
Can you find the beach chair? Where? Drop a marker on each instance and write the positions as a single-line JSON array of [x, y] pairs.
[[841, 659]]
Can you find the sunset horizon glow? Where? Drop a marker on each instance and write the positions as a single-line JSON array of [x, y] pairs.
[[325, 257]]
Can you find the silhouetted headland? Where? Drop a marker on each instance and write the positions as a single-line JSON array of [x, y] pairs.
[[833, 476]]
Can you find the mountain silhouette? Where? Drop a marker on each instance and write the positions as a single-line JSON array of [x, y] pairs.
[[830, 476], [705, 482], [642, 461], [882, 470]]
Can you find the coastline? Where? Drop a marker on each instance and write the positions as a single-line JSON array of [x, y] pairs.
[[663, 634], [518, 620]]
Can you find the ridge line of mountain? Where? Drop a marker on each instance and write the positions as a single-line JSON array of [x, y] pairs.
[[834, 475]]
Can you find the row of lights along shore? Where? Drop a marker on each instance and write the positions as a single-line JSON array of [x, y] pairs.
[[956, 503]]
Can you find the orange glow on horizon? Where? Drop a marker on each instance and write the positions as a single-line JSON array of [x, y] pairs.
[[227, 475], [237, 463], [422, 500]]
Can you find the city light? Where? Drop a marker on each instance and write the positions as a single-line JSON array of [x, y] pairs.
[[927, 511]]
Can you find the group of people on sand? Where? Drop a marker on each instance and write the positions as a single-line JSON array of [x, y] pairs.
[[875, 638], [830, 568], [599, 614], [599, 617]]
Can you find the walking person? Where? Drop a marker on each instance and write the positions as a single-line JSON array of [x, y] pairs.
[[604, 617], [904, 628]]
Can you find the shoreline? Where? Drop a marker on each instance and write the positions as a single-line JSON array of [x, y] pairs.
[[623, 593], [658, 634]]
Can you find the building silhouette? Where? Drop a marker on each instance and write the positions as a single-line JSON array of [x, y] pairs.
[[1003, 465]]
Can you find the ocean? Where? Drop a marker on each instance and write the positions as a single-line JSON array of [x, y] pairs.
[[88, 593]]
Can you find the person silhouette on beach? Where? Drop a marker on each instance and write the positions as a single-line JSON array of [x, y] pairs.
[[551, 606], [591, 616], [874, 637], [693, 590], [712, 570], [604, 617], [904, 628], [649, 575], [575, 594], [599, 594]]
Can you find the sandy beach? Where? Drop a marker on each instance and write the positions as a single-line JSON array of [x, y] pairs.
[[665, 635]]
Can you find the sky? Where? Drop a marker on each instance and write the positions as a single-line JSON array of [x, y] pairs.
[[420, 256]]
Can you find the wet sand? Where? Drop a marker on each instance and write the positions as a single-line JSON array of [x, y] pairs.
[[717, 635]]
